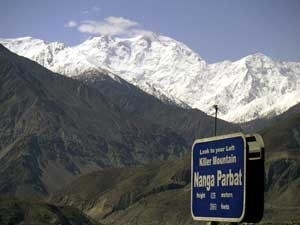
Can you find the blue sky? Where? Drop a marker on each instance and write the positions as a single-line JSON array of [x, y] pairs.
[[216, 29]]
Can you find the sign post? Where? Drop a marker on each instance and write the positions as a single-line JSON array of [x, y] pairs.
[[219, 177]]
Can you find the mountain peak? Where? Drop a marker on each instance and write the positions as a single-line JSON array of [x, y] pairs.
[[98, 39], [26, 40], [258, 56], [256, 60], [150, 36]]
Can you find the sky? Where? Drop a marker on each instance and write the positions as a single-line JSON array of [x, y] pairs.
[[216, 29]]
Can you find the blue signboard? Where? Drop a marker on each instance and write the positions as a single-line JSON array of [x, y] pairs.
[[218, 168]]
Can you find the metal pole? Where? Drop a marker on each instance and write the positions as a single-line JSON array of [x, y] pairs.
[[216, 116]]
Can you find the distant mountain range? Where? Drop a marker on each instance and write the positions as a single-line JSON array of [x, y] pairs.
[[253, 87]]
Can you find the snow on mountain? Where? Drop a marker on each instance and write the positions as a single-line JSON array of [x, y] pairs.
[[252, 87], [54, 56]]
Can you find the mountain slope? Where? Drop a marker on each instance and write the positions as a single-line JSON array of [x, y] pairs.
[[282, 142], [109, 192], [161, 192], [54, 128], [14, 211], [252, 87], [188, 123], [260, 124]]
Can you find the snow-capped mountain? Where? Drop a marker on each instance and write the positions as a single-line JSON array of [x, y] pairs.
[[252, 87]]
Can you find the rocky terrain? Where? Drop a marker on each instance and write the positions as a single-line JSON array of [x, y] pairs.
[[159, 193], [55, 128], [14, 211]]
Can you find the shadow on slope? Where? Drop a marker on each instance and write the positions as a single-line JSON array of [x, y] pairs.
[[188, 123], [160, 193], [14, 211], [54, 128]]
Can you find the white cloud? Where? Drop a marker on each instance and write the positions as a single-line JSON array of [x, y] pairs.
[[111, 26], [120, 21], [71, 24]]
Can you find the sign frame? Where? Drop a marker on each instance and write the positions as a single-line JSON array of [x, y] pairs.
[[217, 138]]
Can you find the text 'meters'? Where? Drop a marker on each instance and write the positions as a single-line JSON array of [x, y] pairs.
[[218, 182]]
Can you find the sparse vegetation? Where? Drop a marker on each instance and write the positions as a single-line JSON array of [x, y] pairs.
[[25, 212]]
